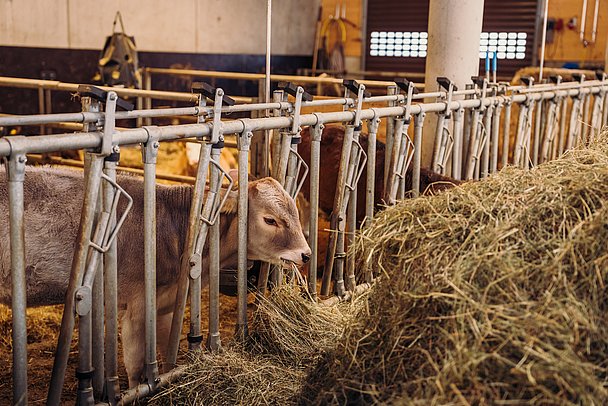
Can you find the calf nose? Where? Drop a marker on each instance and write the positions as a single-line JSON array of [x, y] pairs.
[[305, 258]]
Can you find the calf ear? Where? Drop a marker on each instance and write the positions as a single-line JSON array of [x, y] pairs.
[[231, 204]]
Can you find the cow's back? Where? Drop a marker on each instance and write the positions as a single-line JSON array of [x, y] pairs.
[[52, 205]]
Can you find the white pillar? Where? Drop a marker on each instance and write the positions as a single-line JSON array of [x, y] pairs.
[[453, 52]]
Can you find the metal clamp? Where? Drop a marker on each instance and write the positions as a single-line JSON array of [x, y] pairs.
[[300, 95], [119, 191], [351, 86], [219, 99]]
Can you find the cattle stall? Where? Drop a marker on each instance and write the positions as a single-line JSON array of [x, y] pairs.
[[472, 140]]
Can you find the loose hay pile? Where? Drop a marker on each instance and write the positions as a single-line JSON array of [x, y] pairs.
[[492, 293], [288, 335], [495, 293]]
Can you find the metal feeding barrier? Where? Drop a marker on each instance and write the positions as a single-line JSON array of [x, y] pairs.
[[551, 118]]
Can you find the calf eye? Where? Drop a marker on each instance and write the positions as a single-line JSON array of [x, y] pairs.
[[270, 221]]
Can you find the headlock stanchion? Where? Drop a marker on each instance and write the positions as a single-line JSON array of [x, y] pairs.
[[110, 272], [315, 163], [352, 162], [444, 140], [476, 136], [203, 223], [403, 147], [576, 112], [551, 128]]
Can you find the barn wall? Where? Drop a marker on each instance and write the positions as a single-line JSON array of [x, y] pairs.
[[189, 26], [354, 35], [566, 46]]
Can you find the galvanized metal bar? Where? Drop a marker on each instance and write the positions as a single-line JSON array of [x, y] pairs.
[[83, 294], [495, 137], [351, 223], [110, 263], [313, 234], [335, 220], [244, 143], [457, 148], [390, 131], [537, 133], [484, 170], [149, 158], [392, 185], [574, 128], [563, 119], [370, 184], [98, 328], [93, 170], [506, 129], [418, 124], [214, 342], [16, 176], [550, 130]]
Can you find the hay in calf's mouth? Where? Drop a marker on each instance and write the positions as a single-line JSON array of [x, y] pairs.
[[288, 335], [495, 293]]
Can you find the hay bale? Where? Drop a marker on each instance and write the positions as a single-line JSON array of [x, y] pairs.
[[495, 292]]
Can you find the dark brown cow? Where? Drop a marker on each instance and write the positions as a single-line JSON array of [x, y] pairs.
[[331, 150]]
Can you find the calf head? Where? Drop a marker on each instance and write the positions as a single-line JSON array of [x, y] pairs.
[[275, 232]]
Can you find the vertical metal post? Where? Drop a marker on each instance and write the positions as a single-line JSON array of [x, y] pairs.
[[550, 130], [388, 150], [214, 341], [313, 235], [457, 149], [370, 184], [495, 137], [537, 129], [149, 158], [97, 325], [585, 119], [243, 144], [351, 222], [185, 266], [485, 154], [506, 129], [573, 130], [93, 169], [16, 177], [110, 263], [563, 117], [336, 222], [418, 123]]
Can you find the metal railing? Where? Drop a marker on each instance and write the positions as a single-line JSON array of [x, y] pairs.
[[551, 118]]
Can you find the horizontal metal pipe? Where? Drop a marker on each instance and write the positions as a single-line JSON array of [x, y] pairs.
[[51, 143], [144, 390], [122, 92]]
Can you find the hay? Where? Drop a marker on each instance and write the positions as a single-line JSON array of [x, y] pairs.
[[288, 335], [494, 294]]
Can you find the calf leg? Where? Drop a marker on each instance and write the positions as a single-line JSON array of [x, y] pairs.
[[133, 332], [163, 330]]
